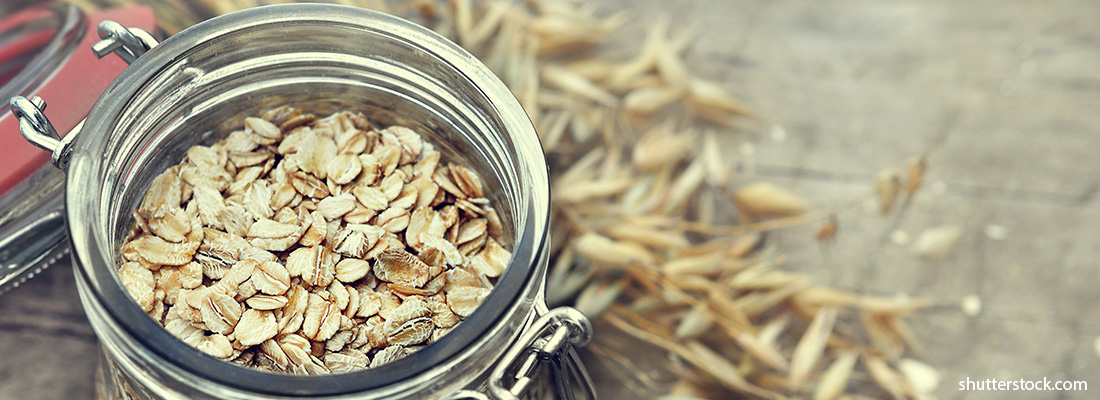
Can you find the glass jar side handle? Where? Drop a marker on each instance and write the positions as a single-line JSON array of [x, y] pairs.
[[39, 131], [552, 341], [128, 43]]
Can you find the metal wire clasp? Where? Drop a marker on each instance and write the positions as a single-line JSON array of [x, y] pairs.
[[38, 130], [128, 43], [550, 340]]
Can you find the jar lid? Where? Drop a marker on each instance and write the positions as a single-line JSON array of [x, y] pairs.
[[45, 51]]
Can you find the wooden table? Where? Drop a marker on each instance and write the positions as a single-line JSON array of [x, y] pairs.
[[848, 88]]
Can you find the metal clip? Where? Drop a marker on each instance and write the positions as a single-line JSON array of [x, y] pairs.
[[38, 130], [128, 43], [551, 340]]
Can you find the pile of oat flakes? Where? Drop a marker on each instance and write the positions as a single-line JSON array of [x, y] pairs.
[[313, 245]]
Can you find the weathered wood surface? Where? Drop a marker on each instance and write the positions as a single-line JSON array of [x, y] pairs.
[[858, 86]]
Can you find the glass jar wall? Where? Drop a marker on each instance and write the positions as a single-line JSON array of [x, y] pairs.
[[198, 85]]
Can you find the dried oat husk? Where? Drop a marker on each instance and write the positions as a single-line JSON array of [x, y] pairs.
[[650, 239]]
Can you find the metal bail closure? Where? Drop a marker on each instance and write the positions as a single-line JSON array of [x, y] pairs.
[[38, 130], [128, 43], [551, 340]]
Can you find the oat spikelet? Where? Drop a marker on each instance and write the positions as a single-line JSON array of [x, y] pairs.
[[833, 382], [765, 199], [888, 186], [811, 346]]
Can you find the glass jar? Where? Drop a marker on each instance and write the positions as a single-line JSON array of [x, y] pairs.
[[195, 86]]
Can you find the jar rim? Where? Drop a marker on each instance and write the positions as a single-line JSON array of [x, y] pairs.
[[92, 248]]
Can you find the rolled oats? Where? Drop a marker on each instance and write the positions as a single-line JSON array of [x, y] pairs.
[[154, 250], [399, 266], [467, 180], [308, 185], [322, 318], [138, 280], [216, 345], [265, 302], [169, 223], [334, 207], [370, 197], [313, 245], [271, 278], [255, 327], [351, 269], [463, 300]]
